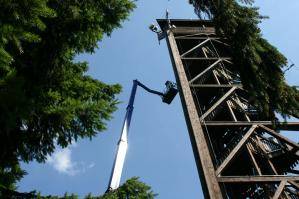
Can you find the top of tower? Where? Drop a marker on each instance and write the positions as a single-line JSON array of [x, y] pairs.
[[163, 23]]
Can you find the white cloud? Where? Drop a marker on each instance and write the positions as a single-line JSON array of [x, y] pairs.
[[61, 160]]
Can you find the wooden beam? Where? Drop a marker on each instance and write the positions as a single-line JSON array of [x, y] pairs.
[[192, 35], [228, 102], [232, 113], [235, 150], [228, 61], [290, 126], [257, 168], [208, 58], [293, 171], [195, 30], [195, 47], [215, 85], [272, 166], [201, 151], [224, 97], [294, 184], [220, 42], [205, 71], [195, 38], [280, 137], [279, 189], [250, 179]]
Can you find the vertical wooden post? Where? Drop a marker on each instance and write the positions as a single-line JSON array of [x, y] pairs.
[[200, 147]]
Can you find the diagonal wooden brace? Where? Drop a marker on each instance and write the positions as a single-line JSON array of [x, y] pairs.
[[205, 71], [195, 47], [221, 42], [280, 137], [224, 97], [279, 189], [294, 184], [235, 150]]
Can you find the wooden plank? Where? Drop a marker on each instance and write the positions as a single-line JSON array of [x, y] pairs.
[[251, 179], [201, 151], [279, 189], [235, 150], [205, 71], [224, 97], [280, 137]]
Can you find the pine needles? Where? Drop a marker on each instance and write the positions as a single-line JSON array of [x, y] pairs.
[[256, 60]]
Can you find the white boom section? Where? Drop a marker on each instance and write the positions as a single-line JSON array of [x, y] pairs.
[[120, 159], [122, 144]]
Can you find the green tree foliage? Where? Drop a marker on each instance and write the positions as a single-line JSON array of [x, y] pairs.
[[257, 61], [45, 96], [131, 189], [11, 174]]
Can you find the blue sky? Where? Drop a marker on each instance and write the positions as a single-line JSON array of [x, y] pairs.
[[159, 147]]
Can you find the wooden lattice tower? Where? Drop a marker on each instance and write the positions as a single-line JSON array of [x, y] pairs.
[[238, 153]]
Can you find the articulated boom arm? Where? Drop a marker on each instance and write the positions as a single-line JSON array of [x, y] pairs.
[[167, 97], [149, 90]]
